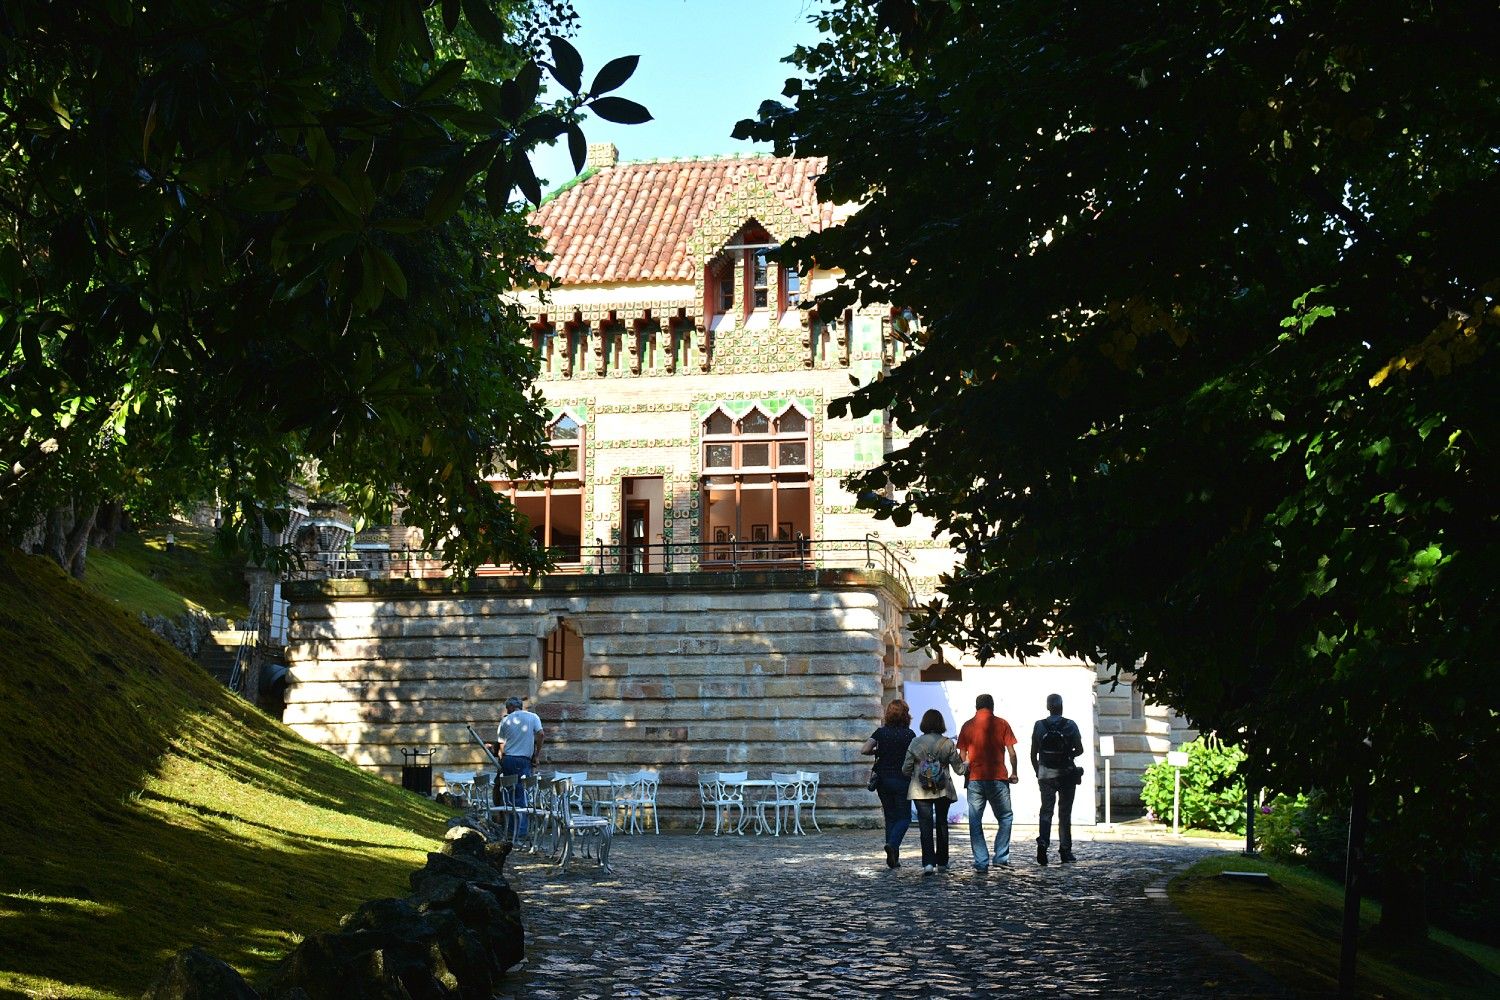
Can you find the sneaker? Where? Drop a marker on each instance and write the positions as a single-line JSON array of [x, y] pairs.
[[1068, 858], [981, 869], [1041, 855], [929, 869], [943, 868]]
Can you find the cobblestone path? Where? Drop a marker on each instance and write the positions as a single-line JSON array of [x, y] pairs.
[[821, 916]]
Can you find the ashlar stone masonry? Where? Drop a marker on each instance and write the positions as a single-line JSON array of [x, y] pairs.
[[681, 672]]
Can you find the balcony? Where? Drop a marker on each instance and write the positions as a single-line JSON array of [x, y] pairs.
[[798, 564]]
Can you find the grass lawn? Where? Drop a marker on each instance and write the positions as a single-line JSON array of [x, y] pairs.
[[139, 574], [144, 809], [1292, 930]]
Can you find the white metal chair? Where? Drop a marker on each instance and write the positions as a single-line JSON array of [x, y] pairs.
[[725, 792], [481, 796], [785, 794], [507, 805], [631, 794], [809, 798], [572, 824], [622, 792], [643, 798], [459, 784]]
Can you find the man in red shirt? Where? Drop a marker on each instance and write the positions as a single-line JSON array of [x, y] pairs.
[[986, 740]]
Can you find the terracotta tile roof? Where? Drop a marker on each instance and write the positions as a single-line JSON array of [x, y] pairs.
[[632, 222]]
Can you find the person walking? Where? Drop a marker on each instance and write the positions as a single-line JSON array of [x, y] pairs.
[[1055, 741], [888, 745], [986, 740], [520, 738], [930, 789]]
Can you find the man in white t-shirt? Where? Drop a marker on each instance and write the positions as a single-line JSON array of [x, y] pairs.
[[520, 737]]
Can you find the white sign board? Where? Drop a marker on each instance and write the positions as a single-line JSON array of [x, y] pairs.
[[1020, 695], [1177, 758], [1106, 746]]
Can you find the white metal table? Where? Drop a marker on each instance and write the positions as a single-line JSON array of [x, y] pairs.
[[748, 784]]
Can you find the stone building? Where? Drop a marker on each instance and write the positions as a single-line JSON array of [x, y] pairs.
[[720, 602]]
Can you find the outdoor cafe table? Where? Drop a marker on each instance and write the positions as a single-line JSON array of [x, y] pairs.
[[748, 784], [592, 790]]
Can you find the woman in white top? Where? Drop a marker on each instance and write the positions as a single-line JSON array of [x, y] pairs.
[[931, 790]]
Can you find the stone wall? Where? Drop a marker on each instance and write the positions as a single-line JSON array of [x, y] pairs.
[[1143, 734], [681, 672]]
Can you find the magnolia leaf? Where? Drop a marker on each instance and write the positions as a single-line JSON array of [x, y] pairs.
[[614, 73], [567, 64], [578, 148], [620, 111], [444, 80], [486, 24]]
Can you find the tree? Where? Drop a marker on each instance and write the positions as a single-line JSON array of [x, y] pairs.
[[246, 238], [1204, 385]]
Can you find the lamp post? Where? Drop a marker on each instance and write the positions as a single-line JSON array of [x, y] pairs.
[[1107, 750], [1178, 759]]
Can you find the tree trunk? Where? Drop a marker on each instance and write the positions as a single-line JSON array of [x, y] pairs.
[[1403, 904], [111, 520], [55, 536], [66, 538], [78, 542]]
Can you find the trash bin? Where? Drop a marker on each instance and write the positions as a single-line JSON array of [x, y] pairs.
[[416, 770]]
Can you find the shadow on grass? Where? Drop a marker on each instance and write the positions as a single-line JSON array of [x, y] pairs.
[[1292, 927], [116, 903], [144, 809]]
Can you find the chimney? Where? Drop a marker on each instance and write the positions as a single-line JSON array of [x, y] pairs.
[[603, 155]]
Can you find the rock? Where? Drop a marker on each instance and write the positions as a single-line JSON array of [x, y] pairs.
[[454, 937], [464, 840], [194, 974]]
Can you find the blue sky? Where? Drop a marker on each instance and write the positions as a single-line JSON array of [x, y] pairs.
[[705, 64]]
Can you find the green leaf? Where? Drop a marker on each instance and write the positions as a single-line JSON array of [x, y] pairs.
[[620, 111], [578, 148], [1428, 557], [484, 21], [387, 34], [567, 64], [445, 79], [288, 167], [390, 272], [614, 73], [526, 180]]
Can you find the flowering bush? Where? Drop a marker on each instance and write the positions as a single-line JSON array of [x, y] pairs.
[[1213, 787]]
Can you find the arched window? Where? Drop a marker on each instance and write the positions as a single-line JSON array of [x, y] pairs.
[[554, 505], [562, 654], [757, 484]]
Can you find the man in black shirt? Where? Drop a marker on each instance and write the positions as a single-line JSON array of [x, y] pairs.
[[1055, 741]]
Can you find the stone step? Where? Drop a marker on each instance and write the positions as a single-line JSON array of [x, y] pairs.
[[218, 651]]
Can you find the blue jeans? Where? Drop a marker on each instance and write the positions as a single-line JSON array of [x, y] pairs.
[[997, 794], [522, 766], [892, 791], [932, 821]]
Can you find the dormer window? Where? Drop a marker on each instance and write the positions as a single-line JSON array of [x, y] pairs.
[[759, 282], [721, 284], [742, 274]]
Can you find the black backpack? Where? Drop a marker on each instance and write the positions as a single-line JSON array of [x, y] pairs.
[[1053, 749]]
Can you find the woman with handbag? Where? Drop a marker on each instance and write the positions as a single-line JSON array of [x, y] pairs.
[[888, 745], [930, 788]]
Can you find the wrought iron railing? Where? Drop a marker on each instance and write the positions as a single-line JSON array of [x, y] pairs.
[[672, 557]]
